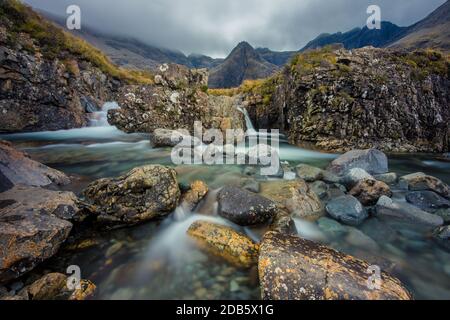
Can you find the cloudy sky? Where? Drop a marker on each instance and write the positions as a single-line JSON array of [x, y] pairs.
[[214, 27]]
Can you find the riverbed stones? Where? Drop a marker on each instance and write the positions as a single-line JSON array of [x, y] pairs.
[[292, 268], [421, 182], [295, 197], [373, 161], [353, 176], [427, 200], [442, 237], [369, 191], [347, 210], [390, 209], [311, 174], [143, 194], [225, 242], [283, 223], [197, 191], [244, 207], [388, 178]]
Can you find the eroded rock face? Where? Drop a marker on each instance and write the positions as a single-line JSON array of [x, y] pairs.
[[142, 194], [225, 242], [291, 268], [422, 182], [17, 168], [369, 191], [372, 161], [244, 207]]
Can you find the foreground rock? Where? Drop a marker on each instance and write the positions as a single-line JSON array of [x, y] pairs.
[[389, 208], [143, 194], [348, 210], [295, 197], [291, 268], [427, 201], [245, 208], [373, 161], [32, 227], [17, 168], [225, 242], [369, 191], [422, 182]]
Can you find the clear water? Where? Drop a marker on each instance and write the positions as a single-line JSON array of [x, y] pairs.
[[158, 261]]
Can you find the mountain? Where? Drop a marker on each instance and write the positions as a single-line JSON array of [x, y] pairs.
[[361, 37], [200, 61], [431, 32], [243, 63], [278, 58]]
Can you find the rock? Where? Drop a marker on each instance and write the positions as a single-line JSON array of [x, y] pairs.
[[332, 228], [49, 287], [85, 292], [143, 194], [196, 193], [292, 268], [422, 182], [354, 176], [31, 229], [388, 178], [251, 185], [388, 208], [294, 197], [245, 208], [283, 223], [17, 168], [348, 210], [311, 174], [445, 214], [225, 242], [161, 138], [357, 238], [427, 201], [442, 237], [369, 191], [320, 188], [379, 231], [373, 161]]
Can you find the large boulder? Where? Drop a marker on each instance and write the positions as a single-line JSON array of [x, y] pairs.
[[17, 168], [143, 194], [295, 197], [373, 161], [32, 228], [348, 210], [388, 208], [369, 191], [427, 200], [422, 182], [292, 268], [225, 242], [244, 207]]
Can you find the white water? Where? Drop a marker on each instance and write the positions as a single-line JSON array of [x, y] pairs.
[[100, 118]]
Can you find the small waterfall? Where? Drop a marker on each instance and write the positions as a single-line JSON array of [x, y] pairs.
[[248, 121], [100, 118]]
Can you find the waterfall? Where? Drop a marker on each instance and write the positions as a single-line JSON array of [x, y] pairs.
[[248, 121], [100, 118]]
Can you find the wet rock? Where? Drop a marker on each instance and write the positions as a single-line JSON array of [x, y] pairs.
[[369, 191], [354, 176], [332, 227], [251, 185], [445, 214], [373, 161], [357, 238], [388, 178], [311, 174], [388, 208], [49, 287], [161, 138], [442, 237], [422, 182], [17, 168], [143, 194], [295, 197], [245, 208], [291, 268], [379, 231], [225, 242], [85, 292], [194, 195], [427, 200], [283, 223], [30, 232], [348, 210], [320, 188]]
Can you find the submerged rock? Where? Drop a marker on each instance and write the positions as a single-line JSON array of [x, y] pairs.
[[373, 161], [348, 210], [292, 268], [320, 188], [427, 200], [143, 194], [225, 242], [388, 208], [295, 197], [442, 237], [369, 191], [422, 182], [245, 208]]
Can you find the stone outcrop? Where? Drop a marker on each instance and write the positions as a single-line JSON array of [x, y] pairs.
[[292, 268]]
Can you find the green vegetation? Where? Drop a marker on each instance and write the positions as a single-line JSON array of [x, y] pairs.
[[54, 43], [425, 63], [307, 62]]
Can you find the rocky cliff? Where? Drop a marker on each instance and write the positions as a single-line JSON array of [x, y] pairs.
[[338, 100]]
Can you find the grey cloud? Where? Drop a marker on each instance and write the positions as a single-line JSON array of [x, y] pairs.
[[214, 27]]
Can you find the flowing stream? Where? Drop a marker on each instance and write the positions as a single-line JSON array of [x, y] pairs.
[[158, 261]]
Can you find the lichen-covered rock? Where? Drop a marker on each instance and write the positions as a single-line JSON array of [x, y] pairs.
[[295, 197], [369, 191], [427, 200], [225, 242], [191, 198], [292, 268], [422, 182], [244, 207], [161, 138], [347, 209], [49, 287], [142, 194], [17, 168], [373, 161], [85, 292], [283, 223], [354, 176]]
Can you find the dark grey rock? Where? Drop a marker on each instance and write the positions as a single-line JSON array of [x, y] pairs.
[[373, 161], [348, 210], [427, 200]]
